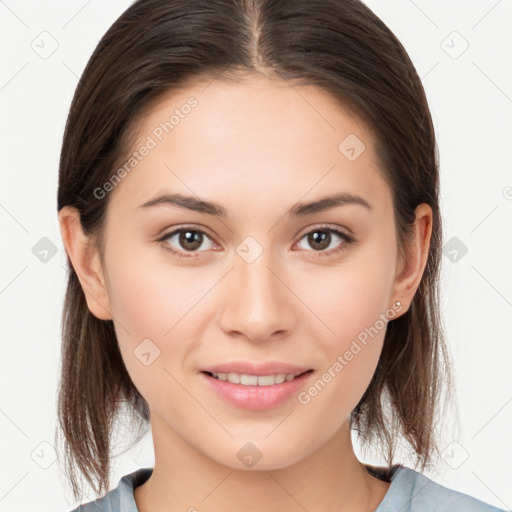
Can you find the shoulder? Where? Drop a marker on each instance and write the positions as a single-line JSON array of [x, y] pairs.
[[411, 491], [120, 498]]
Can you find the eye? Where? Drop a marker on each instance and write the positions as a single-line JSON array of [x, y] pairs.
[[189, 240], [321, 239], [186, 240]]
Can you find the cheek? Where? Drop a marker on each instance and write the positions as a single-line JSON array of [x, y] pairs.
[[351, 352], [351, 302], [148, 294], [138, 301], [151, 299], [350, 298], [149, 314]]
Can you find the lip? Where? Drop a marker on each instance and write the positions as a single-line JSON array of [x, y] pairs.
[[256, 398], [259, 369]]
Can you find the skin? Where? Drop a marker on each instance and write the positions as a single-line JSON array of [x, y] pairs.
[[256, 147]]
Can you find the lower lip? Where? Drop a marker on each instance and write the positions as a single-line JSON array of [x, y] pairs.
[[257, 398]]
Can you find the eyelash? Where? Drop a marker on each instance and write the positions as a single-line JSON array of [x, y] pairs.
[[346, 238]]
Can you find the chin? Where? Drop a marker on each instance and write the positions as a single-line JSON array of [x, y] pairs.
[[260, 454]]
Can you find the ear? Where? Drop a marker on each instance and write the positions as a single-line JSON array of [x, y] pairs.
[[411, 264], [84, 257]]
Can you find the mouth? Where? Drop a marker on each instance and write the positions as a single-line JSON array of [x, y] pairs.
[[256, 392], [254, 385], [245, 379]]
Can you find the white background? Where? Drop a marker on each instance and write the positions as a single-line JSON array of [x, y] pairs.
[[471, 102]]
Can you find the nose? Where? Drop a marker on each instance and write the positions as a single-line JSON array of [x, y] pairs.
[[257, 302]]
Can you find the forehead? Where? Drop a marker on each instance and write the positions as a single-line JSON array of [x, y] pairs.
[[257, 138]]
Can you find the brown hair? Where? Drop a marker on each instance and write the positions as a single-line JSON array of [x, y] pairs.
[[157, 46]]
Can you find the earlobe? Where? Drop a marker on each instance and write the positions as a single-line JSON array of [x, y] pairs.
[[411, 264], [84, 257]]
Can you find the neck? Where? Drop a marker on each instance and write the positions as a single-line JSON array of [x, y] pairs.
[[329, 479]]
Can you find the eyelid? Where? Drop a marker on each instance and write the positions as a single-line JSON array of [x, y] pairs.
[[191, 227], [326, 227]]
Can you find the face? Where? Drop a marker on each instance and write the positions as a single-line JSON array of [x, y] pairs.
[[265, 282]]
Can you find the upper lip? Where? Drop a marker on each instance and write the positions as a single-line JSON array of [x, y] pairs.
[[259, 369]]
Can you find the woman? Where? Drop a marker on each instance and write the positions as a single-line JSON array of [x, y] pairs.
[[248, 197]]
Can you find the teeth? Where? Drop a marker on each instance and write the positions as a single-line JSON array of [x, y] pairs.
[[255, 380]]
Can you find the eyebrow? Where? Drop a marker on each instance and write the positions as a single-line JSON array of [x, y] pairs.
[[297, 210]]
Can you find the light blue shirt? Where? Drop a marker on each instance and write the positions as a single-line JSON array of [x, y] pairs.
[[410, 491]]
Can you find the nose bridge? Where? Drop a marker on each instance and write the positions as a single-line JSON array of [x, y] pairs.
[[260, 304]]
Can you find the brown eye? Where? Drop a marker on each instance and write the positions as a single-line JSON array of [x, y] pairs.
[[319, 240], [190, 240], [181, 241], [323, 240]]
